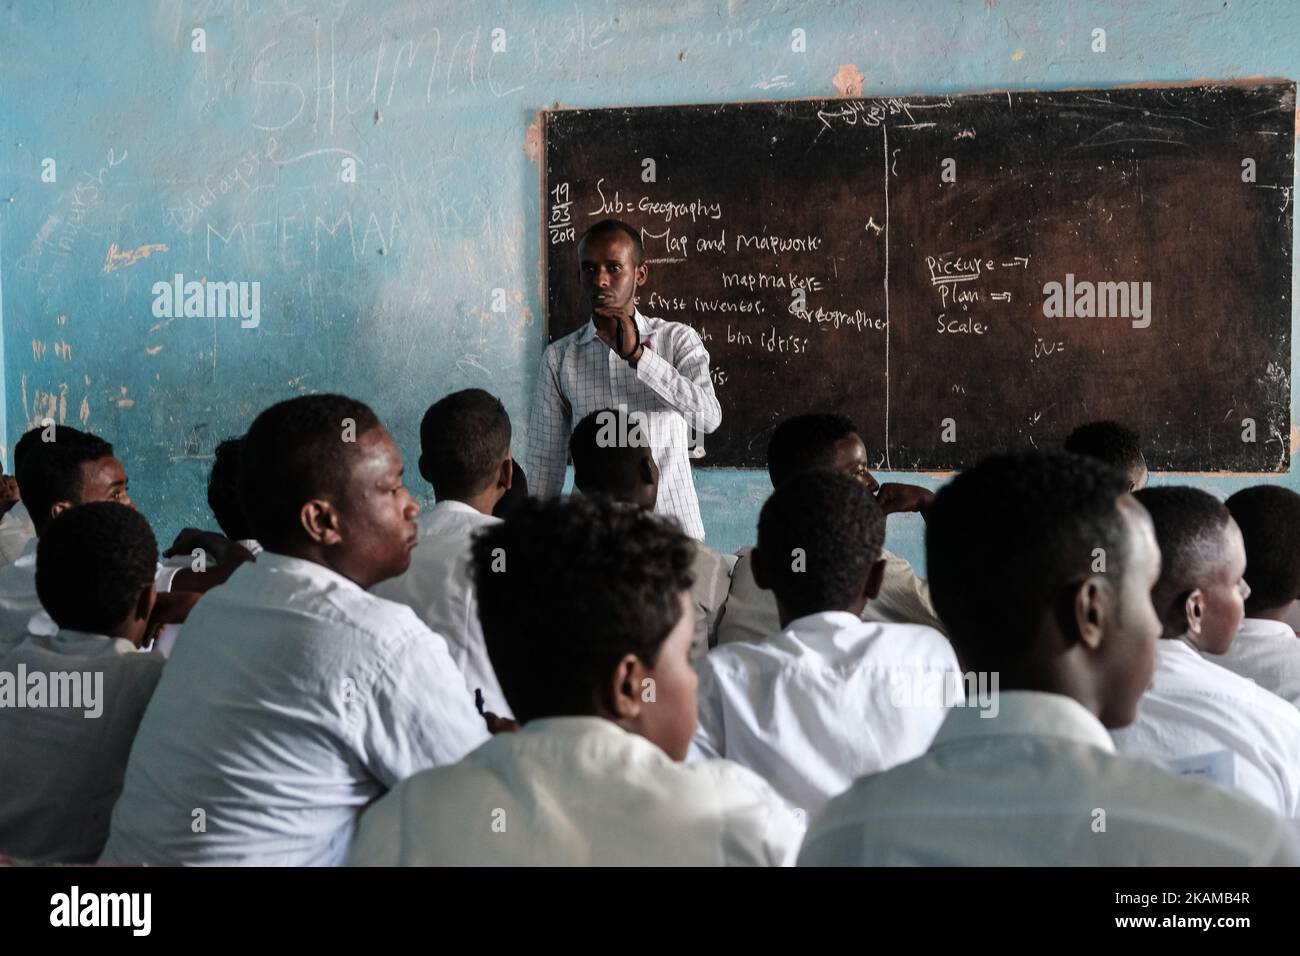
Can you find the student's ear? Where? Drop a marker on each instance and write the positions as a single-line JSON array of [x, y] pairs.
[[642, 273], [58, 508], [875, 581], [141, 627], [646, 471], [1194, 610], [321, 522], [1090, 611], [506, 475], [144, 603], [424, 469], [758, 565], [625, 688]]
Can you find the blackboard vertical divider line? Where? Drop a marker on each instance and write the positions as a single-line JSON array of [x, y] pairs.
[[884, 127]]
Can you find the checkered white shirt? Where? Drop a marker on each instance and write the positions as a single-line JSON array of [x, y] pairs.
[[671, 385]]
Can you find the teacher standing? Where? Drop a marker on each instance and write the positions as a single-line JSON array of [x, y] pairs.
[[623, 358]]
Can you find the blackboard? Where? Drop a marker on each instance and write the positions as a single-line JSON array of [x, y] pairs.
[[893, 260]]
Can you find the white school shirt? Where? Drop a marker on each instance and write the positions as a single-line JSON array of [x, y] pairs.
[[671, 384], [1267, 652], [1027, 788], [16, 529], [1194, 708], [712, 580], [60, 768], [438, 588], [578, 791], [168, 633], [21, 613], [20, 609], [750, 612], [826, 700], [295, 700]]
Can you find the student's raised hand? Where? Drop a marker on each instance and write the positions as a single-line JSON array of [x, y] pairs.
[[894, 497]]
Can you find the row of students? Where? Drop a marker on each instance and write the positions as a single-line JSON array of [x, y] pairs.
[[69, 469], [295, 697], [1011, 551], [1223, 701], [1195, 707], [779, 705], [59, 467], [800, 707], [589, 623], [230, 768], [1035, 779]]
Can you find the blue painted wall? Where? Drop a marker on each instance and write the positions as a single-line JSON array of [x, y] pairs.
[[226, 165]]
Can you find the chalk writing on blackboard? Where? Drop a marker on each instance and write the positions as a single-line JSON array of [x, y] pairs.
[[825, 260]]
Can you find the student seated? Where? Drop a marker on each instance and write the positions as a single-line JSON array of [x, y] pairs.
[[1035, 780], [829, 442], [223, 500], [830, 697], [1228, 727], [223, 496], [1266, 649], [59, 468], [296, 697], [194, 548], [587, 614], [626, 471], [62, 757], [16, 524], [465, 456], [1117, 445]]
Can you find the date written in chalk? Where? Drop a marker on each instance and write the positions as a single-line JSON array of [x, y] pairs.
[[1192, 896]]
